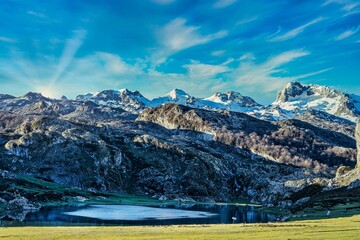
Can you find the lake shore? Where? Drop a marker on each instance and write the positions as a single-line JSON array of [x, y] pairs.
[[334, 228]]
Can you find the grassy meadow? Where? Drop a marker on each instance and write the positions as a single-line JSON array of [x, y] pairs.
[[335, 228]]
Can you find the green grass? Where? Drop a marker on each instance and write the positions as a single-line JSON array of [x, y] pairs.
[[52, 194], [336, 228], [330, 204]]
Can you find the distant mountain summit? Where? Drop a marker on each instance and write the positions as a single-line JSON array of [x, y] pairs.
[[297, 98], [123, 98], [175, 96], [232, 101]]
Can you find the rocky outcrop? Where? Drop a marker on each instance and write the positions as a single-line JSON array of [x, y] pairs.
[[300, 98], [292, 89]]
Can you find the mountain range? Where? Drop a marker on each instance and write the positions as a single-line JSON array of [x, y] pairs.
[[293, 100], [219, 148]]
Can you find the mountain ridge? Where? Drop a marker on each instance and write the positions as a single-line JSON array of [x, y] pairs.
[[294, 100]]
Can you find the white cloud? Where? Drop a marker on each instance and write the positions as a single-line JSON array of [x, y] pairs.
[[103, 70], [163, 2], [252, 77], [296, 31], [177, 36], [349, 6], [346, 34], [313, 73], [223, 3], [247, 57], [36, 14], [114, 64], [247, 20], [218, 53], [7, 40], [200, 70], [284, 58]]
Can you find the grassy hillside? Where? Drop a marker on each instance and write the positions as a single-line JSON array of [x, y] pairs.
[[336, 228]]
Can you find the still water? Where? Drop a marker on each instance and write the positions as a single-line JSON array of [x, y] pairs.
[[102, 215]]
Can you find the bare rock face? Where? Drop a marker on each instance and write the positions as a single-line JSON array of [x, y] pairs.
[[357, 136]]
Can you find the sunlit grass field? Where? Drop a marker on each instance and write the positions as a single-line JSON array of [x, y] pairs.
[[335, 228]]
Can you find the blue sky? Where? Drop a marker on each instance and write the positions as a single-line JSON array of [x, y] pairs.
[[67, 47]]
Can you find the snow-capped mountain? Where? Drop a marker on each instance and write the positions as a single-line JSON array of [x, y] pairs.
[[232, 101], [295, 99], [177, 96], [123, 98], [135, 102]]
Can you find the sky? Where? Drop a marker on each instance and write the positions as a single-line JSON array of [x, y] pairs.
[[67, 47]]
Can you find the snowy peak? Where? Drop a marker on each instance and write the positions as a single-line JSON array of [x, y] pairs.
[[296, 90], [178, 93], [296, 98], [232, 97], [177, 96], [123, 98]]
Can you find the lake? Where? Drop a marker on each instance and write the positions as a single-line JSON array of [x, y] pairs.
[[133, 215]]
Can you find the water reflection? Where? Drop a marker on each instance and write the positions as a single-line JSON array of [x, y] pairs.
[[102, 215], [136, 213]]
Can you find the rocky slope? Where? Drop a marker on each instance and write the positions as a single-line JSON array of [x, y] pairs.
[[141, 158], [290, 141], [171, 151]]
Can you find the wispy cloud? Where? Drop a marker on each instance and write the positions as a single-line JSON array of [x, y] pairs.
[[36, 14], [349, 6], [346, 34], [177, 36], [200, 70], [247, 57], [114, 64], [252, 76], [247, 20], [218, 53], [223, 3], [313, 73], [296, 31], [7, 40], [163, 2]]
